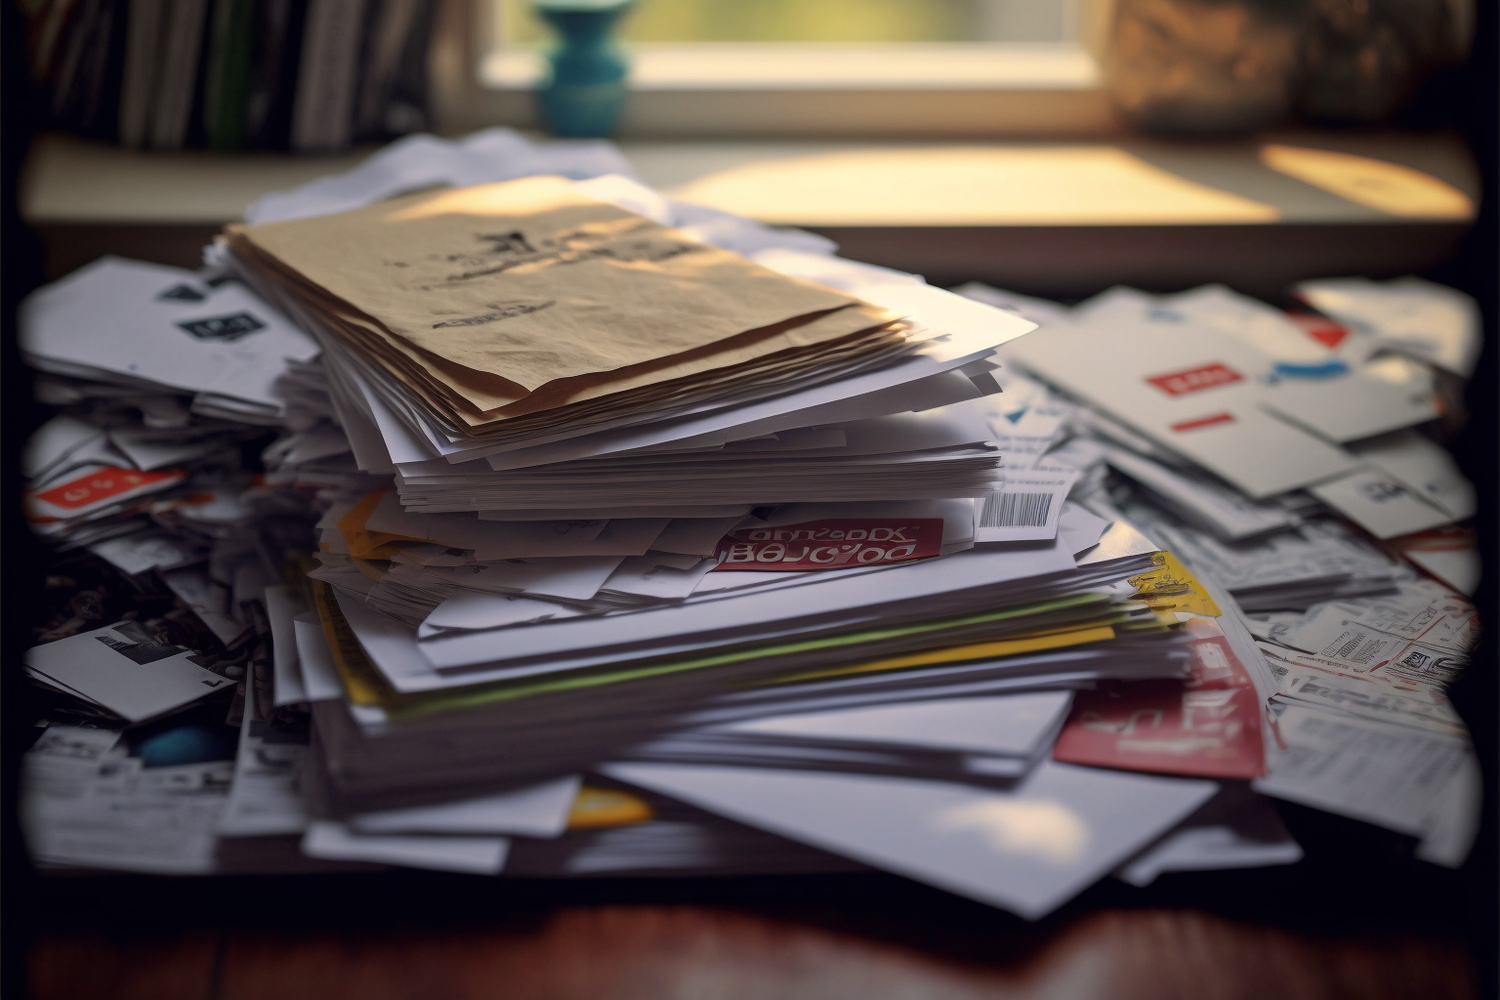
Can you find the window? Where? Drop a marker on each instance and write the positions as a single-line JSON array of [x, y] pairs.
[[892, 68], [655, 21]]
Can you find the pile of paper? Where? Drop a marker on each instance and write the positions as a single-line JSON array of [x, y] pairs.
[[147, 481], [542, 346], [162, 372], [595, 533], [1362, 645], [1238, 421], [1367, 728]]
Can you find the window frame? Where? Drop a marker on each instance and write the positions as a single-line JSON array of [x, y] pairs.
[[764, 90]]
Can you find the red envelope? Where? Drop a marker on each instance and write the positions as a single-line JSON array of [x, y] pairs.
[[1206, 725], [95, 488]]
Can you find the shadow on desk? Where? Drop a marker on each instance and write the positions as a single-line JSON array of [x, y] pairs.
[[1369, 924]]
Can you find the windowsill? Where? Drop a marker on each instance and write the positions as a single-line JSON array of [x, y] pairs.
[[814, 91], [1056, 217], [786, 182], [758, 67]]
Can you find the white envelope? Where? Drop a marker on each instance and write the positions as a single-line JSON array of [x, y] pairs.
[[1356, 403], [658, 575], [1437, 324], [1236, 829], [1424, 465], [1193, 392], [574, 578], [694, 536], [1028, 850], [1080, 529], [477, 612], [147, 550], [1037, 310], [534, 811], [282, 604], [1258, 454], [1381, 504], [320, 678], [1460, 568], [620, 536], [1009, 725], [335, 841], [149, 449], [166, 326], [54, 442], [1200, 501], [124, 670]]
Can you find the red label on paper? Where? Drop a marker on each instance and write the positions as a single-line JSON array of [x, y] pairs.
[[1212, 420], [1205, 725], [1195, 379], [833, 544], [1449, 539], [1324, 331], [99, 485]]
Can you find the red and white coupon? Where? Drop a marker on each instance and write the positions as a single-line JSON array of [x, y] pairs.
[[837, 543], [1206, 725], [1195, 379], [94, 488]]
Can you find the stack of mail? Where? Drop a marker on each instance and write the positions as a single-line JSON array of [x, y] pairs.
[[594, 533], [571, 687], [541, 347]]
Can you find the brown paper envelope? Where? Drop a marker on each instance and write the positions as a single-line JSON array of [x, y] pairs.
[[531, 281], [470, 400]]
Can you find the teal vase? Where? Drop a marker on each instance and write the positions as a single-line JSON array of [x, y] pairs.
[[586, 95]]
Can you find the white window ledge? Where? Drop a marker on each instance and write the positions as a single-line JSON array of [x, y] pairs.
[[825, 67], [795, 90]]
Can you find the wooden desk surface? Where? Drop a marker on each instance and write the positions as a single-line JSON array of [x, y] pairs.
[[659, 952], [1299, 933]]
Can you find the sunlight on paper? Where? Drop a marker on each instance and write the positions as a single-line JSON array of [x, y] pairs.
[[1395, 369], [1048, 830], [518, 197]]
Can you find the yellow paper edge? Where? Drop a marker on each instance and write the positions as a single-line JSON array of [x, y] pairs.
[[957, 654]]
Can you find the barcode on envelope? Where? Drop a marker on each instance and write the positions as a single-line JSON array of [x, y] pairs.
[[1015, 510]]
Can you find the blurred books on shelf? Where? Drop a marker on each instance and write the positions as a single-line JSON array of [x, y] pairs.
[[231, 75]]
